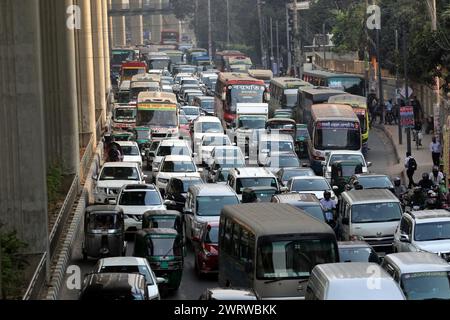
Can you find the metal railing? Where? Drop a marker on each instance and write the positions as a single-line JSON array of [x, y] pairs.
[[37, 281]]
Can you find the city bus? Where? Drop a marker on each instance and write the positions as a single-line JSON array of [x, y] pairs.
[[272, 249], [170, 37], [284, 92], [195, 52], [158, 112], [158, 61], [219, 59], [234, 88], [359, 105], [332, 127], [350, 83], [175, 56], [261, 74], [308, 96], [119, 55], [130, 69], [238, 64]]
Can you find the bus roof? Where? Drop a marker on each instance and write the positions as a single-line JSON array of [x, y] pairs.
[[349, 99], [238, 77], [290, 83], [266, 219], [144, 84], [330, 111], [157, 97], [146, 77], [323, 73], [134, 64], [230, 53], [260, 74]]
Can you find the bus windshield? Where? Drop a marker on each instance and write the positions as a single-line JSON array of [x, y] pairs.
[[349, 85], [124, 114], [157, 118], [252, 122], [290, 98], [159, 64], [337, 135], [246, 93], [292, 258]]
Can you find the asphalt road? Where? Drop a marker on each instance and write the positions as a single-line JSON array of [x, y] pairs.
[[381, 154]]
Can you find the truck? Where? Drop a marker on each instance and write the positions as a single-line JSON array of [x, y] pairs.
[[249, 117]]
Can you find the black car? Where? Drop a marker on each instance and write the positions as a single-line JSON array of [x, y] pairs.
[[176, 191], [114, 286], [285, 174], [371, 181], [357, 251]]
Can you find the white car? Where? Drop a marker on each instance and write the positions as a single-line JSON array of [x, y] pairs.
[[191, 112], [335, 156], [427, 230], [112, 177], [130, 150], [170, 147], [204, 125], [175, 166], [226, 152], [270, 143], [132, 265], [315, 185], [209, 142], [135, 200]]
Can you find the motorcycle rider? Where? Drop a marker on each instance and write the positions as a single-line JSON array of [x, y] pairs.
[[432, 201], [418, 198], [426, 183], [328, 205], [399, 188], [436, 176]]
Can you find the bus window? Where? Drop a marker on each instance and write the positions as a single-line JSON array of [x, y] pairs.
[[337, 136]]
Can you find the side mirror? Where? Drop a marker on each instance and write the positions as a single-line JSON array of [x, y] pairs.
[[155, 169], [404, 238], [145, 176], [345, 221], [323, 163], [195, 239], [143, 154], [170, 203], [161, 281], [335, 188], [246, 157], [194, 154], [369, 164], [95, 177], [188, 212], [265, 151], [200, 170], [112, 202], [224, 96]]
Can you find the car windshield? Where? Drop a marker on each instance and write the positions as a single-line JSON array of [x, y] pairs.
[[170, 222], [284, 162], [164, 246], [191, 111], [141, 269], [126, 114], [288, 174], [277, 146], [310, 185], [216, 141], [191, 182], [252, 122], [243, 93], [183, 119], [130, 151], [314, 211], [233, 154], [140, 198], [229, 163], [358, 255], [207, 105], [209, 127], [432, 231], [178, 166], [189, 81], [164, 118], [265, 195], [302, 133], [119, 173], [281, 126], [103, 222], [346, 157], [243, 183], [426, 285], [376, 212], [213, 205], [212, 236], [375, 182], [293, 258], [164, 151]]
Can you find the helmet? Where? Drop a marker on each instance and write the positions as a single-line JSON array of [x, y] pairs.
[[431, 194], [397, 181], [425, 176], [327, 193], [435, 169], [417, 190]]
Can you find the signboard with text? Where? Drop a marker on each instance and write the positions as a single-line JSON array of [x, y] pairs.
[[407, 117]]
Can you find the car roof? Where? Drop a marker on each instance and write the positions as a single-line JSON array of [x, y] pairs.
[[353, 244], [231, 294], [173, 142], [409, 262], [207, 119], [186, 178], [370, 195], [275, 137], [204, 98], [429, 214], [368, 175], [163, 231], [178, 158], [346, 152], [211, 189], [297, 197], [120, 164], [139, 187], [351, 270], [114, 281], [100, 208], [283, 153], [248, 172], [122, 261], [126, 143], [308, 178]]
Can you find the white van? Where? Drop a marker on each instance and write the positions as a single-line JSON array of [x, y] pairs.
[[351, 281], [372, 215], [273, 143]]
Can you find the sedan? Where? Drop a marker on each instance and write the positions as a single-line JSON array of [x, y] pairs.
[[371, 181], [191, 112], [283, 175], [314, 185], [278, 160]]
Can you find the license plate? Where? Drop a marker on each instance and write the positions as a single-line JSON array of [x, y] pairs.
[[164, 265]]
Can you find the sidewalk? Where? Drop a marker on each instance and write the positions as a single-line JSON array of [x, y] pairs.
[[422, 156]]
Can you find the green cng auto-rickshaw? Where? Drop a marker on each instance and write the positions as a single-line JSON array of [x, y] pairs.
[[302, 139], [169, 219], [164, 250], [103, 232], [341, 172]]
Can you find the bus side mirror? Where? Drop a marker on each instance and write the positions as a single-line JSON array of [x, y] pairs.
[[224, 96]]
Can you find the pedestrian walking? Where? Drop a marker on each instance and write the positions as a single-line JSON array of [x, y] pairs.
[[435, 149], [411, 167], [389, 116]]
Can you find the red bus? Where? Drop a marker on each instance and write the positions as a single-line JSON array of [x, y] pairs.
[[234, 88], [170, 37], [221, 57]]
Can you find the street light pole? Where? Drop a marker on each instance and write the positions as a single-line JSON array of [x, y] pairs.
[[324, 46], [397, 86], [228, 23], [271, 44], [261, 37], [405, 66], [278, 48], [380, 79], [297, 58], [209, 30], [289, 57]]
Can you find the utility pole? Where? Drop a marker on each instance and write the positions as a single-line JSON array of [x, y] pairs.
[[261, 37], [397, 87], [380, 79], [278, 48], [437, 80], [325, 39], [288, 33], [228, 24], [272, 56], [405, 66], [209, 30], [297, 58]]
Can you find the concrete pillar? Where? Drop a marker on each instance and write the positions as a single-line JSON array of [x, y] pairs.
[[99, 64], [23, 191], [110, 25], [106, 47], [119, 27], [86, 75], [157, 22], [137, 27]]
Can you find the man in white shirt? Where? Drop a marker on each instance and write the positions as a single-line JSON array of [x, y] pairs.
[[436, 176], [435, 149], [328, 205]]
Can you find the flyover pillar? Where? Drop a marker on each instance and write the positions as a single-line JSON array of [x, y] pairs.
[[137, 26], [119, 28]]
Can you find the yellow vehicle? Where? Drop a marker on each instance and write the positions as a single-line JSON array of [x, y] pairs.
[[284, 93], [359, 105]]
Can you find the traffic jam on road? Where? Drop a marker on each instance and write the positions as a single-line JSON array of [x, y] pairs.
[[261, 183]]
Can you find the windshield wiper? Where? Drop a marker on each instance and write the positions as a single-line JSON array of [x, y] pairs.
[[281, 279]]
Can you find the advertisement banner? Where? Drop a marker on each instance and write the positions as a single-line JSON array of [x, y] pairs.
[[407, 117]]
